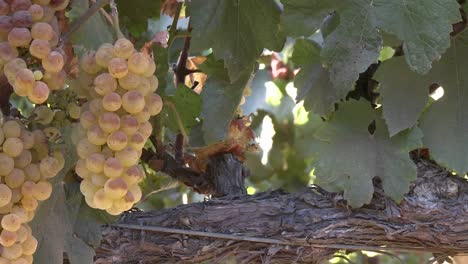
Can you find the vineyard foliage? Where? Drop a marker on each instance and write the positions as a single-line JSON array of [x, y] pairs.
[[348, 85]]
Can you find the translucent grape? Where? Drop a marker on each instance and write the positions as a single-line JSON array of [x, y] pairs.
[[118, 67], [145, 129], [133, 175], [109, 122], [144, 115], [39, 93], [13, 252], [24, 82], [154, 104], [133, 102], [81, 170], [105, 84], [102, 200], [15, 178], [86, 148], [5, 195], [19, 37], [28, 139], [39, 48], [11, 222], [117, 141], [98, 179], [123, 48], [6, 25], [24, 159], [74, 110], [104, 54], [95, 162], [13, 147], [49, 167], [12, 67], [29, 246], [27, 188], [138, 62], [113, 168], [137, 141], [130, 81], [42, 190], [53, 62], [6, 164], [11, 129], [96, 135], [112, 102], [87, 119], [88, 63], [135, 190], [128, 156], [36, 11], [29, 203], [7, 238], [129, 124], [87, 188]]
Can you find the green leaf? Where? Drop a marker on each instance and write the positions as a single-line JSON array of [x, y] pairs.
[[93, 32], [352, 47], [348, 156], [304, 17], [423, 26], [188, 105], [445, 123], [404, 92], [220, 99], [134, 14], [237, 31]]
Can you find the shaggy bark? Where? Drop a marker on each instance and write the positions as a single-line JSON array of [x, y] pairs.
[[304, 227]]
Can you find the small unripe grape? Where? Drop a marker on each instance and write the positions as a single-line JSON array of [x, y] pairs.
[[88, 63], [29, 246], [42, 190], [113, 168], [150, 69], [98, 179], [145, 129], [7, 52], [4, 10], [12, 67], [123, 48], [22, 19], [112, 102], [6, 25], [39, 48], [28, 139], [53, 62], [74, 110], [85, 148], [13, 252], [37, 12], [138, 62], [17, 5], [133, 175], [11, 222], [154, 104], [24, 159], [15, 178], [144, 115], [49, 167], [130, 81], [118, 68], [128, 156], [13, 147], [96, 135], [104, 54], [109, 122], [55, 80], [7, 238], [24, 82], [87, 119], [38, 75], [135, 190], [19, 37], [87, 188], [29, 203], [27, 188], [117, 141], [102, 200], [11, 129], [137, 141], [7, 164], [81, 170], [32, 172], [129, 124], [104, 84], [95, 163], [42, 31], [39, 93], [5, 195], [133, 102]]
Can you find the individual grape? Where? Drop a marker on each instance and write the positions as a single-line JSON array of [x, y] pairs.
[[135, 190], [95, 106], [104, 54], [55, 80], [7, 52], [5, 195], [11, 222], [6, 25], [24, 159], [49, 14], [32, 172], [111, 102], [81, 170], [88, 63], [36, 11], [49, 167], [144, 115], [15, 178], [53, 62], [43, 115], [39, 137], [7, 238], [39, 93], [137, 141], [145, 129], [42, 31], [87, 119], [29, 246], [19, 37], [123, 48], [16, 195], [133, 102], [7, 164], [24, 82], [117, 141], [39, 48], [87, 188], [128, 156], [125, 203], [13, 252], [129, 124], [38, 75], [86, 148], [154, 104], [13, 147], [144, 87], [104, 84], [90, 201], [102, 200], [22, 19], [17, 5], [42, 190], [27, 188], [138, 63], [96, 135], [27, 138], [109, 122], [11, 129], [113, 211], [98, 179], [22, 214], [154, 83], [4, 8], [130, 81], [133, 175], [29, 203], [118, 67], [28, 258], [113, 168], [95, 163], [150, 69], [74, 110]]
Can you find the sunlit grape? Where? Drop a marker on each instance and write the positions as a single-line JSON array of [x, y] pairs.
[[118, 67], [133, 102], [123, 48], [53, 62]]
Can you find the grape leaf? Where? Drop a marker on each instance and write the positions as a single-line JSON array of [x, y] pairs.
[[423, 26], [445, 123], [237, 31], [187, 103], [304, 17], [404, 93], [220, 99], [348, 156], [134, 14], [352, 47]]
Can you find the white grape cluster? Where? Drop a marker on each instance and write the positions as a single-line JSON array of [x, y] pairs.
[[121, 102], [29, 34], [25, 168]]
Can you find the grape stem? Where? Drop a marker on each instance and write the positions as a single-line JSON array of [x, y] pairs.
[[82, 19], [173, 29], [115, 19]]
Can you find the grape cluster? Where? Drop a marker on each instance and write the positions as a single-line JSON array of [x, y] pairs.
[[29, 34], [25, 167], [121, 102]]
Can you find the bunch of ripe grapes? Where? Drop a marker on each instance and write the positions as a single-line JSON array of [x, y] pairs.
[[116, 121], [25, 168]]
